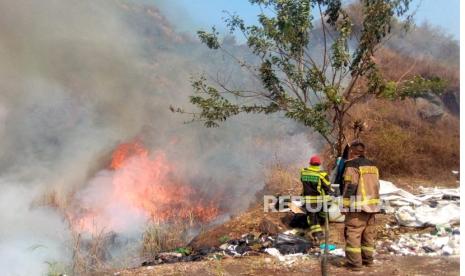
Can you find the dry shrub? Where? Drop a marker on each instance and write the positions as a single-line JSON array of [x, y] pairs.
[[90, 254], [398, 139], [399, 67], [396, 66], [403, 144], [281, 179], [164, 237]]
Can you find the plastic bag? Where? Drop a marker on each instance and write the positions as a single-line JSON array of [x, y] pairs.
[[291, 244]]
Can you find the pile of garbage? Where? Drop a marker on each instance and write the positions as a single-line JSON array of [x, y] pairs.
[[444, 241], [285, 246], [179, 255], [286, 259], [284, 243], [430, 207], [248, 244]]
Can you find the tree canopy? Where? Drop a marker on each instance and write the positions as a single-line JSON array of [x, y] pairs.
[[313, 69]]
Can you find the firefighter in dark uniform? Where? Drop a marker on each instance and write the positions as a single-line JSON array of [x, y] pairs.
[[317, 192]]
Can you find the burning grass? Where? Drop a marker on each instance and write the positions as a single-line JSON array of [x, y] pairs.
[[136, 207], [281, 179], [136, 188]]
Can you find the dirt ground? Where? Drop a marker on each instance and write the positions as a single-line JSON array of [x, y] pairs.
[[255, 221], [268, 265], [249, 222]]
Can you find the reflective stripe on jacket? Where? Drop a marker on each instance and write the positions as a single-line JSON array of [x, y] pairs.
[[317, 187], [361, 186]]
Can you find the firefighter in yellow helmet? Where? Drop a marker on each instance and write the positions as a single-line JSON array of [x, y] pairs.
[[317, 192], [360, 204]]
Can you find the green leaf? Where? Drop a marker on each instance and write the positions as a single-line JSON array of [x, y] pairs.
[[224, 239], [210, 39]]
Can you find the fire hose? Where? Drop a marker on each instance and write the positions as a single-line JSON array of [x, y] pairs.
[[324, 260]]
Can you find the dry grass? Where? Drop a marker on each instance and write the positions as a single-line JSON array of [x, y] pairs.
[[161, 237], [398, 67], [281, 179], [398, 139], [90, 255], [403, 144]]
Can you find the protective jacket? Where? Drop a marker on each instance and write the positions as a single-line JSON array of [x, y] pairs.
[[316, 185], [317, 192], [361, 186]]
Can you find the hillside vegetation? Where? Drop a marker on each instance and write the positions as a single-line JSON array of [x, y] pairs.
[[416, 137]]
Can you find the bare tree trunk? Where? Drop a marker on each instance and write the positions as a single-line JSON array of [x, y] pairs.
[[340, 133]]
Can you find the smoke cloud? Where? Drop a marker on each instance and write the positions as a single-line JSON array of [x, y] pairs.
[[80, 77]]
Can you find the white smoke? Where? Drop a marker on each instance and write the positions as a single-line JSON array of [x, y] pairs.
[[29, 236], [79, 77]]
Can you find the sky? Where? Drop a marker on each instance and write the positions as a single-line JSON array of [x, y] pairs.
[[191, 15]]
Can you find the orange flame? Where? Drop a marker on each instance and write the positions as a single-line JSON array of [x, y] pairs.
[[147, 187], [124, 152]]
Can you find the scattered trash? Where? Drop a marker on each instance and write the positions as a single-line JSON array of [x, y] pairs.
[[442, 242], [338, 252], [387, 187], [300, 218], [299, 221], [331, 247], [247, 244], [287, 259], [450, 194], [432, 206], [334, 213], [295, 232], [425, 215], [287, 245], [438, 207], [291, 244], [395, 196]]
